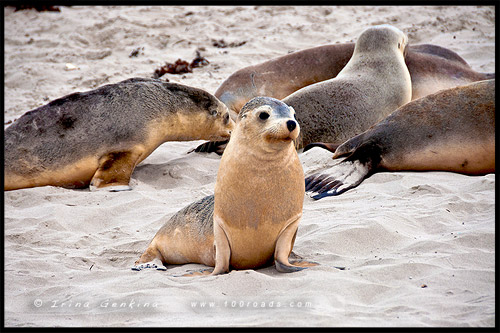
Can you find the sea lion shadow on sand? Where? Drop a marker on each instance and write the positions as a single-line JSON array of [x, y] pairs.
[[178, 171]]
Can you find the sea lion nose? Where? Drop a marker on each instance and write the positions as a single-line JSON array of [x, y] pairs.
[[291, 125]]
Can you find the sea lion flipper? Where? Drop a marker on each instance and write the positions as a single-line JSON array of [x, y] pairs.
[[151, 258], [201, 272], [211, 147], [341, 177], [284, 268], [222, 248], [304, 263], [155, 263], [284, 246], [115, 169]]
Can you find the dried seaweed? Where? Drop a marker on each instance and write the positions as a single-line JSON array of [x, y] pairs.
[[136, 52], [222, 44], [181, 66]]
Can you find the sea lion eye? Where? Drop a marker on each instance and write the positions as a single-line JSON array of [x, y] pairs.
[[264, 115], [214, 113]]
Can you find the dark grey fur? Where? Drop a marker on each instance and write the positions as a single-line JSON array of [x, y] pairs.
[[71, 127]]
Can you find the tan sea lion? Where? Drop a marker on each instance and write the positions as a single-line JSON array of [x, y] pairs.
[[451, 130], [99, 136], [253, 216], [374, 83]]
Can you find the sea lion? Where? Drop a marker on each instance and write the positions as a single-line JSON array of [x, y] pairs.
[[432, 68], [253, 216], [374, 83], [99, 136], [451, 130]]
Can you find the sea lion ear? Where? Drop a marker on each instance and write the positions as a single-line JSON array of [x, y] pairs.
[[243, 112], [406, 47], [241, 115]]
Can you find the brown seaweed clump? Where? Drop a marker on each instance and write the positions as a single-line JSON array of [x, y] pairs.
[[222, 44], [181, 66]]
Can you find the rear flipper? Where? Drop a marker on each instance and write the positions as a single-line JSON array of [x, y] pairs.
[[337, 180], [211, 147], [151, 258], [155, 263], [363, 159]]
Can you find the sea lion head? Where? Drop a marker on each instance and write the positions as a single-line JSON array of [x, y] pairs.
[[382, 36], [269, 120], [202, 114]]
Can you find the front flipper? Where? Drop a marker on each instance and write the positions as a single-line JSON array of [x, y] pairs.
[[203, 272], [283, 250], [222, 248], [211, 147], [294, 266], [114, 171]]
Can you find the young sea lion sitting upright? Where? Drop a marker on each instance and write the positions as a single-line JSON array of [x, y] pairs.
[[252, 218]]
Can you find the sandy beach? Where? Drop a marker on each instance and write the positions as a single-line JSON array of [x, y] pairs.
[[401, 249]]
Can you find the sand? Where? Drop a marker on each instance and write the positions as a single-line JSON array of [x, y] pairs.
[[416, 249]]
